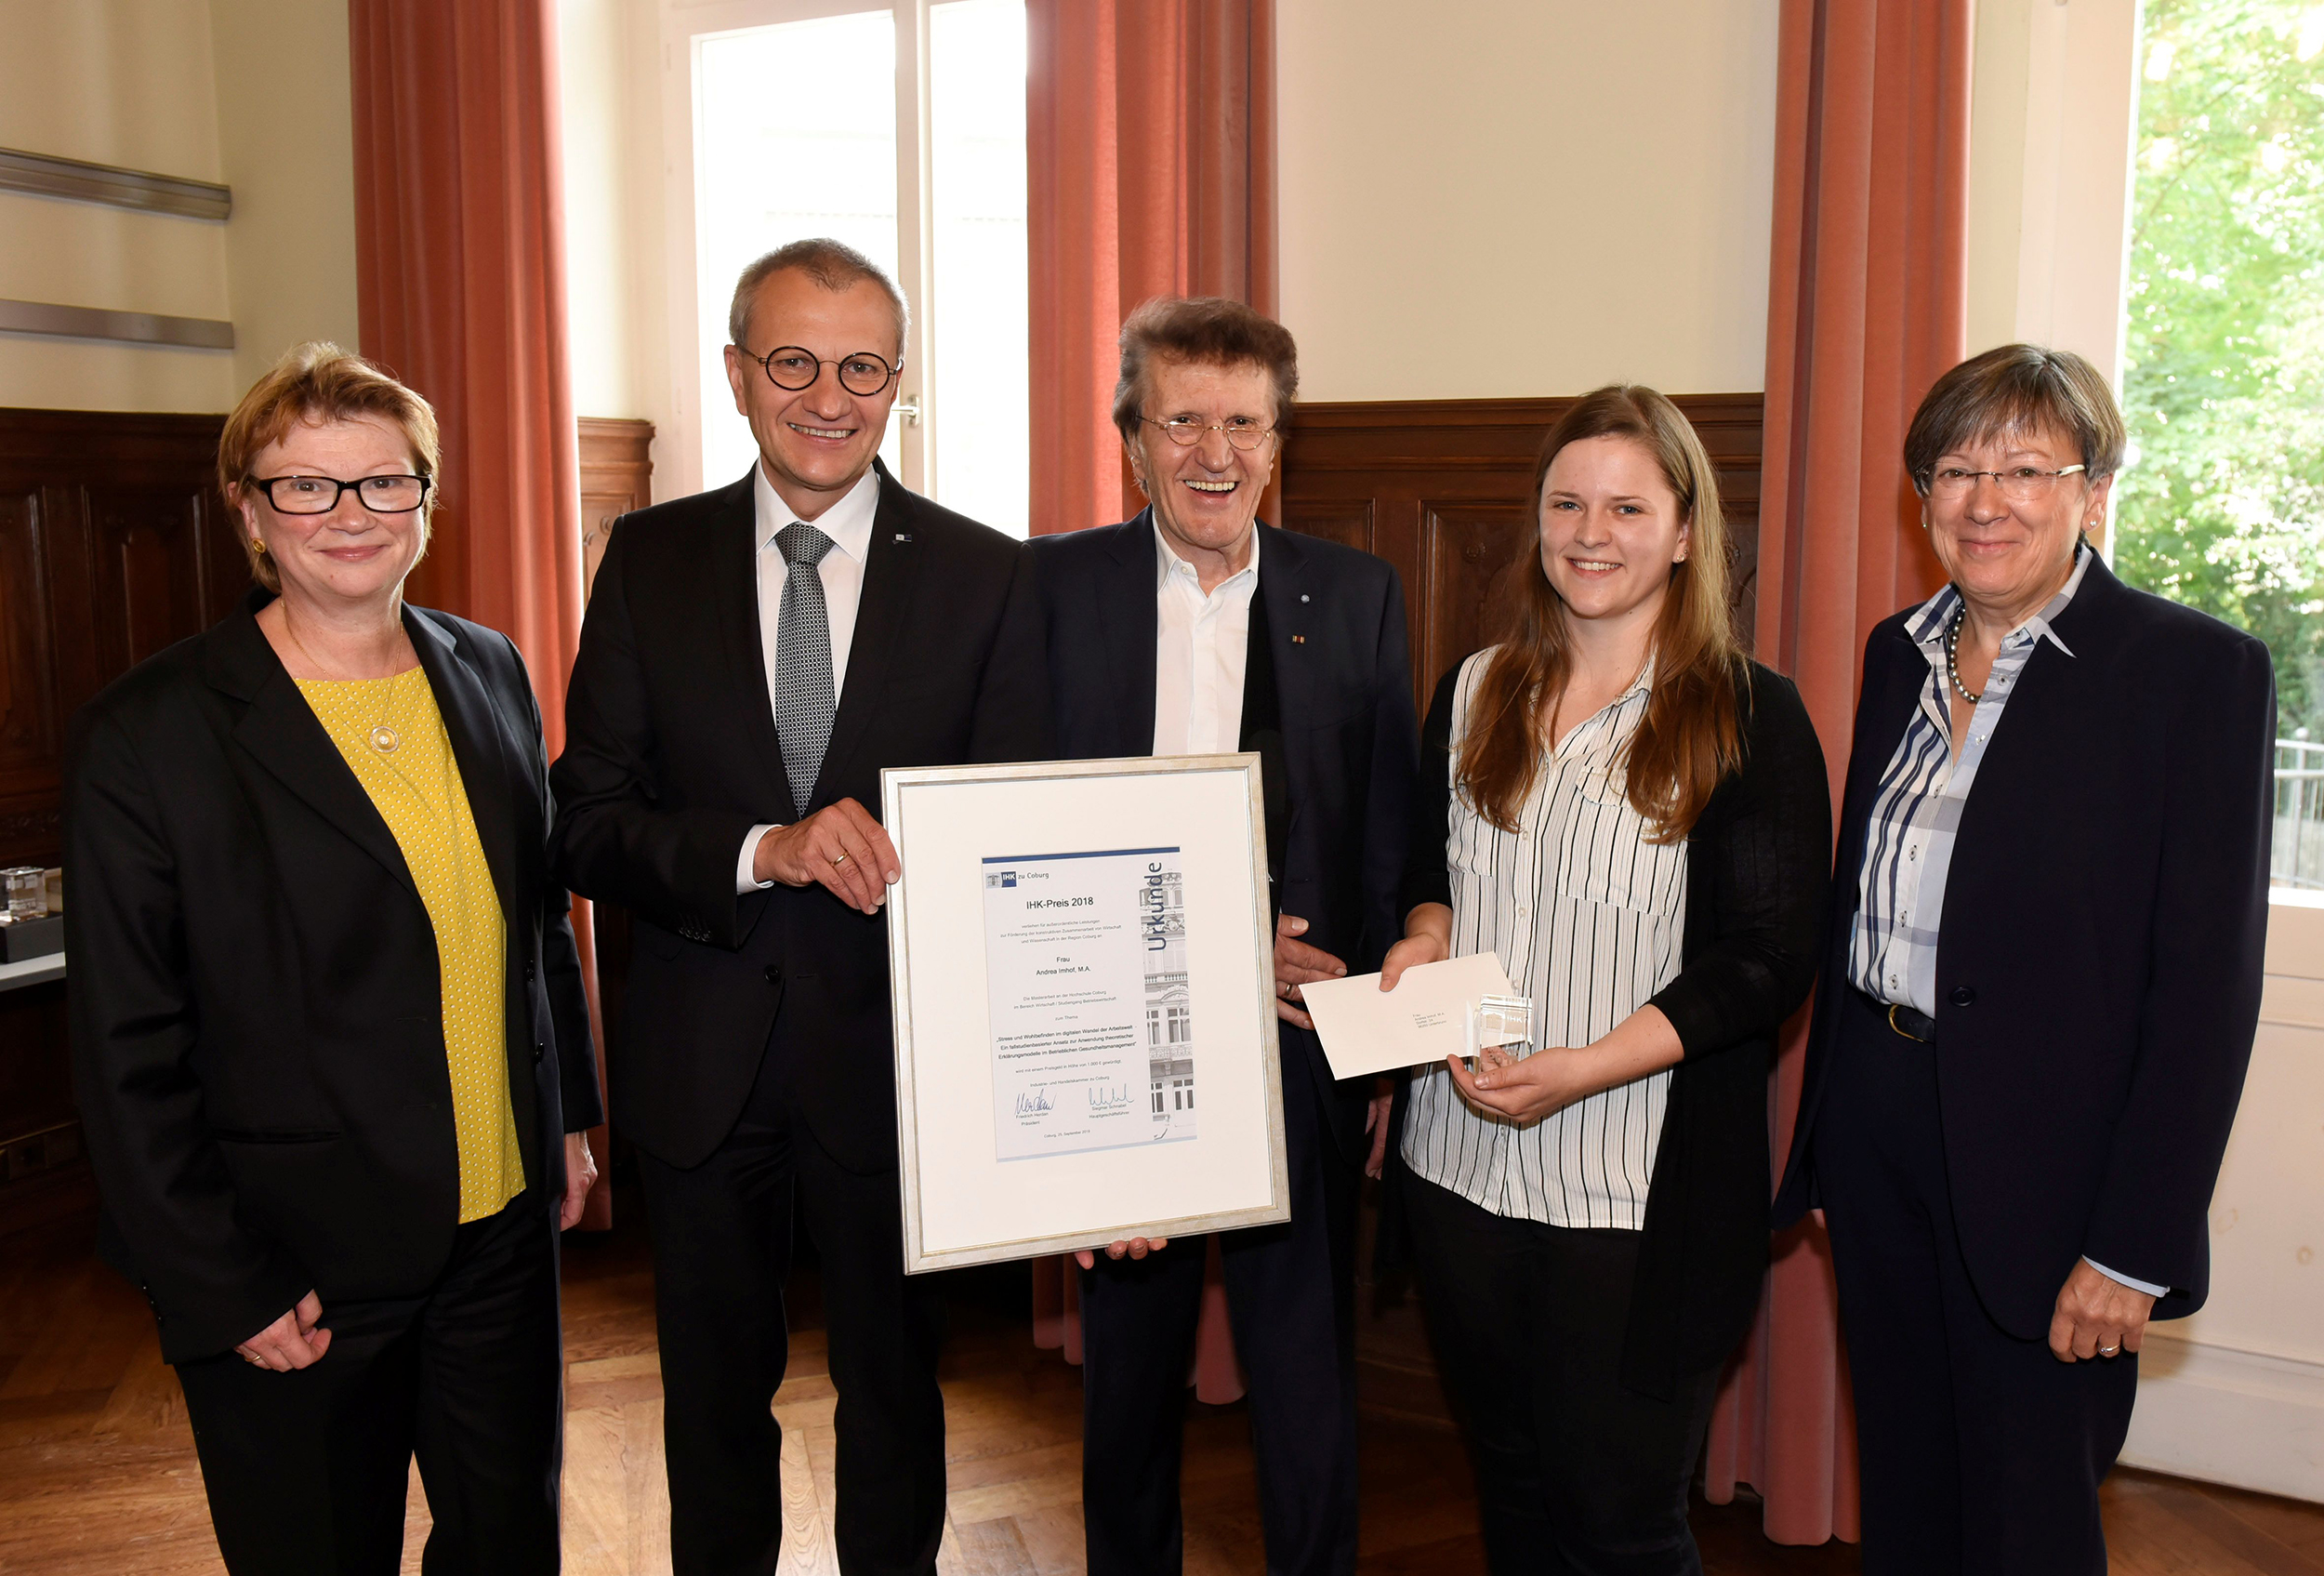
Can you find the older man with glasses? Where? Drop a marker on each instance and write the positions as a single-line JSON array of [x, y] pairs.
[[1194, 630], [751, 659]]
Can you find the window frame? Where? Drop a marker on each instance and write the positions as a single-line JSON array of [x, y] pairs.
[[684, 25]]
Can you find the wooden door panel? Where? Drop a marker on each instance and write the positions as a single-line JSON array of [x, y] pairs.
[[1347, 521], [1468, 553], [616, 476], [147, 573], [28, 711]]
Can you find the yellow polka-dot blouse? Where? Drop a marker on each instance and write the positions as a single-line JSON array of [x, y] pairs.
[[416, 787]]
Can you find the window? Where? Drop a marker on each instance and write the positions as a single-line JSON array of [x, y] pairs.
[[900, 131], [2221, 503]]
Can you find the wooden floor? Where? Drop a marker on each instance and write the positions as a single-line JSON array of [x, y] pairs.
[[97, 1472]]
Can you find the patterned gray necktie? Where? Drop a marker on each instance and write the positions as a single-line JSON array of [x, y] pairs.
[[804, 695]]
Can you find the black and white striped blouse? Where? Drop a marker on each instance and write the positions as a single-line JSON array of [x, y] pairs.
[[1588, 917]]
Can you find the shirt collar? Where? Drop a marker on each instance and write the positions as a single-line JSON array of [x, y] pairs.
[[1166, 562], [848, 523], [1926, 627]]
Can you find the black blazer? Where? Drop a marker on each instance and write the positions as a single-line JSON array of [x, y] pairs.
[[670, 758], [2098, 972], [258, 1022], [1334, 736], [1757, 889]]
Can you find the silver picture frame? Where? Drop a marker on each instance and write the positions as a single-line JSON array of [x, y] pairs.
[[963, 1202]]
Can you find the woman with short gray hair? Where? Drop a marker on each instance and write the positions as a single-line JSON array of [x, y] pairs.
[[2039, 986]]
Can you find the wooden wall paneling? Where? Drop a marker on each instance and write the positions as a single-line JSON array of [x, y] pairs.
[[1347, 521], [114, 545], [1441, 489], [29, 723], [616, 476], [1468, 551]]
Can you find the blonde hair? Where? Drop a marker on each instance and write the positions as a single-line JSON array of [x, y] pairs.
[[1691, 736], [319, 382]]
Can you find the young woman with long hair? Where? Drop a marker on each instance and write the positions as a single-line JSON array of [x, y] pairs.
[[1634, 817]]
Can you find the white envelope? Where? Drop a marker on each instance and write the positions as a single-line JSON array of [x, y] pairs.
[[1424, 1020]]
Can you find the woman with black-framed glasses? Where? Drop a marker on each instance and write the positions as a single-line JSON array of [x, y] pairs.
[[329, 1037], [2039, 984]]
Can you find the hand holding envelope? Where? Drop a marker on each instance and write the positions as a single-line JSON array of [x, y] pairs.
[[1429, 1017]]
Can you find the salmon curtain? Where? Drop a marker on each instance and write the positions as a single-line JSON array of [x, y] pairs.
[[1149, 159], [1150, 153], [460, 281], [1867, 304]]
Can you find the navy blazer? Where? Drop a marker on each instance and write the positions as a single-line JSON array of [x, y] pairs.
[[1335, 633], [257, 1028], [2098, 971]]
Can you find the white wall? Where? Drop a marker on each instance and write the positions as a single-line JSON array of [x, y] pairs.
[[178, 87], [290, 158], [2052, 135], [2236, 1394], [1525, 197], [601, 243], [117, 82]]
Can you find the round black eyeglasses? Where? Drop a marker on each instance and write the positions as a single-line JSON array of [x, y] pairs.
[[793, 367]]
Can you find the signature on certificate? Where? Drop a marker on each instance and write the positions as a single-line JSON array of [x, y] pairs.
[[1035, 1101], [1102, 1100]]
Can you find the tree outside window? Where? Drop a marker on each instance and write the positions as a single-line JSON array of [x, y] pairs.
[[2222, 503]]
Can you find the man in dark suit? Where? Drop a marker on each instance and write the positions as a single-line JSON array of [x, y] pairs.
[[753, 657], [1194, 630]]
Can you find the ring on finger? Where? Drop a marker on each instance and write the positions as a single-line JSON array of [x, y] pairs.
[[839, 859], [2108, 1351]]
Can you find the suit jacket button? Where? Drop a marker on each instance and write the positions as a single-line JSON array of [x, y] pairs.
[[774, 976], [528, 971], [1963, 995], [540, 1048]]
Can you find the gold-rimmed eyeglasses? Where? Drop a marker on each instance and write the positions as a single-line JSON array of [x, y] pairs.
[[1242, 431], [793, 367], [2019, 483]]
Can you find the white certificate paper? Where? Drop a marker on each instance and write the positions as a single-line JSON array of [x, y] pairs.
[[1424, 1020], [1093, 1033]]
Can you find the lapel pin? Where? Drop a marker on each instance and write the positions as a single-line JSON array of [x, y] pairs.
[[1299, 640], [1302, 596], [903, 536]]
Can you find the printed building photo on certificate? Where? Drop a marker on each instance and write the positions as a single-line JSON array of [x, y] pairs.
[[1083, 986], [1085, 954]]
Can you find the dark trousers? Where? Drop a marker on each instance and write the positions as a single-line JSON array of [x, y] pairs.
[[1291, 1297], [306, 1471], [1979, 1452], [1576, 1475], [721, 1250]]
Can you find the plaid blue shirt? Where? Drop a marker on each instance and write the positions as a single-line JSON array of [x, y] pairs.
[[1916, 812], [1916, 815]]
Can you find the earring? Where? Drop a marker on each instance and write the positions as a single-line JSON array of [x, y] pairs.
[[257, 544]]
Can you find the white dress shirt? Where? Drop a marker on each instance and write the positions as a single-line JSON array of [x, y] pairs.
[[1201, 646], [1589, 917], [849, 525]]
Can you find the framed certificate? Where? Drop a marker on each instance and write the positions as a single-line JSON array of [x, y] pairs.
[[1082, 962]]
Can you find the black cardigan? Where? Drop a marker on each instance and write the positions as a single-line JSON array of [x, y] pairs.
[[1758, 879]]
